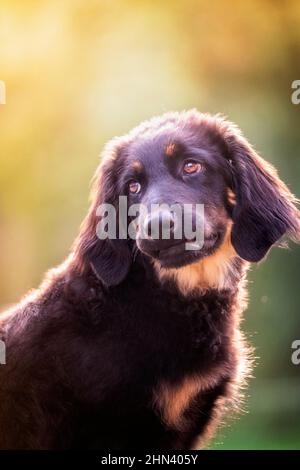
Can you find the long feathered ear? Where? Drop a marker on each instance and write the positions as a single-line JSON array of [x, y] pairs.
[[110, 259], [265, 209]]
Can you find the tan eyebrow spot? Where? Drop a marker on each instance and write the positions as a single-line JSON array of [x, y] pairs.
[[137, 166], [171, 149]]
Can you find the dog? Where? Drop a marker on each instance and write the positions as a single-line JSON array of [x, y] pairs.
[[135, 343]]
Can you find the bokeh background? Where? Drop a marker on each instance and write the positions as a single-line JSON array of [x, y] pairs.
[[78, 73]]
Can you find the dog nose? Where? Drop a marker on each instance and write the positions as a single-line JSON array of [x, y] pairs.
[[159, 225]]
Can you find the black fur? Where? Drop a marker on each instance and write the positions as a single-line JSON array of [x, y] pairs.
[[90, 352]]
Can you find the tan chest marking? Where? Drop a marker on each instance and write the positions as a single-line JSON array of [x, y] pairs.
[[173, 400]]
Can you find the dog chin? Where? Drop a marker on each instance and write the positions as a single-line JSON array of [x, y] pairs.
[[178, 255]]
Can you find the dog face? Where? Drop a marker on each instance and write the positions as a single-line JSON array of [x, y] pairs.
[[166, 171], [187, 159]]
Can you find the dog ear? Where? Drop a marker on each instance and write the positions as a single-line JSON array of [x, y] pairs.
[[110, 259], [265, 209]]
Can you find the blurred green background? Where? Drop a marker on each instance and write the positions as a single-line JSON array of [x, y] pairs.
[[78, 73]]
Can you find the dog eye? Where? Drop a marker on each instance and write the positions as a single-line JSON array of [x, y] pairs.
[[134, 187], [191, 167]]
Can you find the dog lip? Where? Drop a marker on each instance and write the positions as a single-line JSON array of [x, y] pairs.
[[168, 255], [171, 250], [176, 255]]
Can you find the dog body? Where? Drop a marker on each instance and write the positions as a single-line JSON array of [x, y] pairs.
[[140, 366], [137, 343]]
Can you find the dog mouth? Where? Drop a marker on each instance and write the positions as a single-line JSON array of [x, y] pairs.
[[184, 252]]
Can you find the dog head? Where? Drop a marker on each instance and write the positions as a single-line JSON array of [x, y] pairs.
[[171, 166]]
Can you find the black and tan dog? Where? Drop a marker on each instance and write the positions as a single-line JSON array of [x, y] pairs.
[[137, 344]]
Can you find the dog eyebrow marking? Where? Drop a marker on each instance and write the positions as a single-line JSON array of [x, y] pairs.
[[137, 166], [171, 149]]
